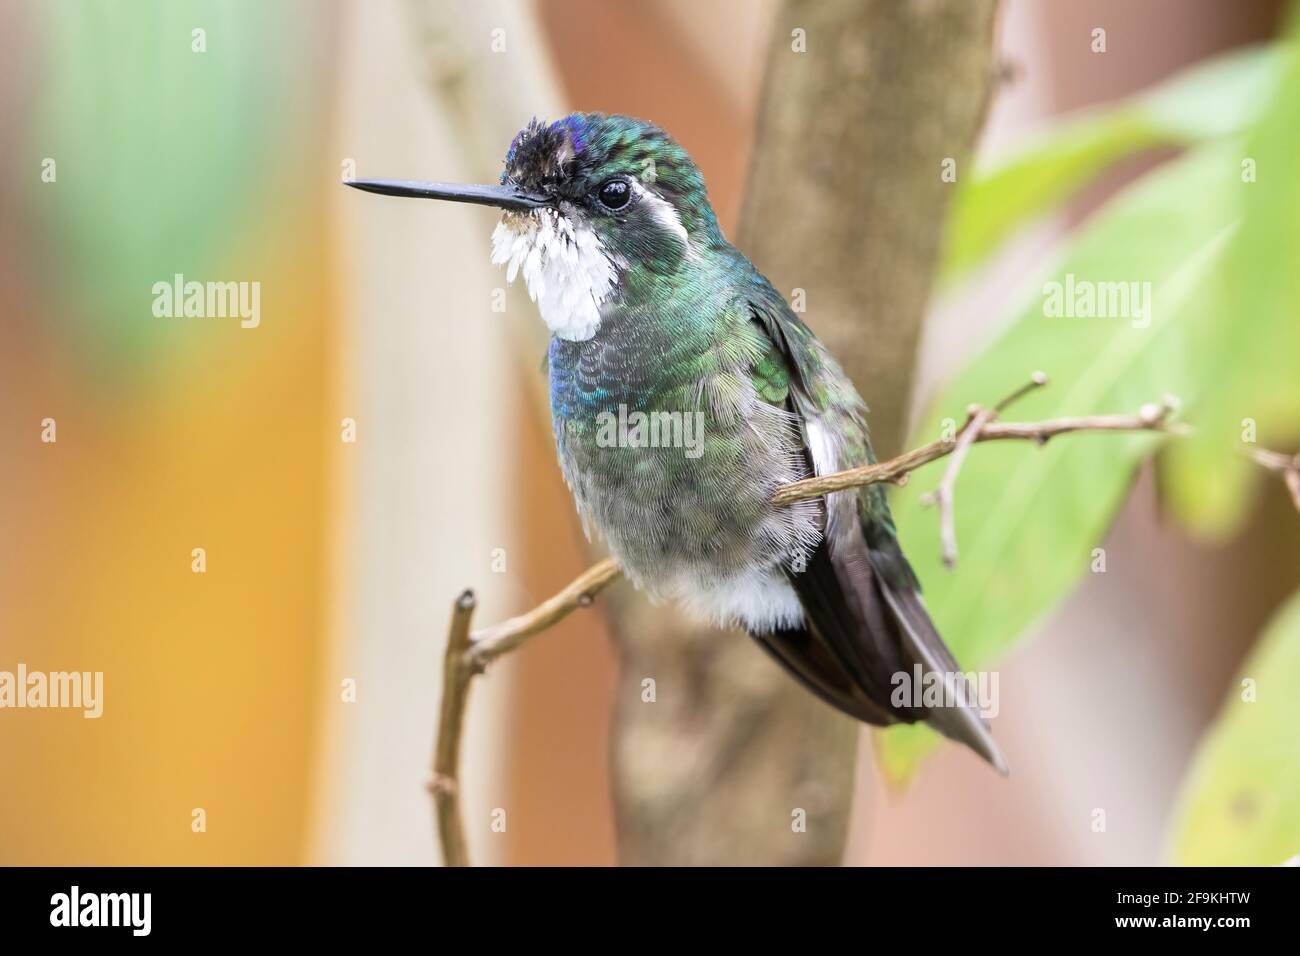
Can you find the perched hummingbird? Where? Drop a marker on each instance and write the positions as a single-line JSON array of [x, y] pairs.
[[652, 311]]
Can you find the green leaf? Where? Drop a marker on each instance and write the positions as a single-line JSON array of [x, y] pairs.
[[1028, 518], [1213, 100], [1238, 805], [1250, 339]]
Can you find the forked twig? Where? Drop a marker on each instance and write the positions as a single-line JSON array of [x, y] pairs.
[[468, 654]]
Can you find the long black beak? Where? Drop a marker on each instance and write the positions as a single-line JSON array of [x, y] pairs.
[[503, 197]]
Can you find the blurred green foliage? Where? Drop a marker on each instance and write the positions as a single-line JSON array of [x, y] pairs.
[[169, 146], [1028, 518], [1248, 336], [1241, 801], [1213, 100], [1215, 233]]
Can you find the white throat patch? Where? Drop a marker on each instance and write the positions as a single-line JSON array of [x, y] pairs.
[[568, 272]]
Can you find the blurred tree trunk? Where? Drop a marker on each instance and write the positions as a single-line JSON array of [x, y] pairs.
[[845, 202], [845, 196]]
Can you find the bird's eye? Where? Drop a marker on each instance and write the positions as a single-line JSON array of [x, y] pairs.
[[614, 193]]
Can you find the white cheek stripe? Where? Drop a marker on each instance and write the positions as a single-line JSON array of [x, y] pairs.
[[666, 216], [665, 213]]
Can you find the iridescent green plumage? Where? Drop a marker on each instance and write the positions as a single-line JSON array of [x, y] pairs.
[[657, 319], [692, 327]]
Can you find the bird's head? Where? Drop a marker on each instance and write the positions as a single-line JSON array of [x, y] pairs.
[[595, 206]]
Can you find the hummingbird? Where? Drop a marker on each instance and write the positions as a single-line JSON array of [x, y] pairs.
[[664, 335]]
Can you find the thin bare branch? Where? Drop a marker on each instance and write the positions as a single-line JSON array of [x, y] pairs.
[[444, 783], [1150, 418], [1036, 381], [1288, 466], [944, 495], [467, 655], [491, 642]]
